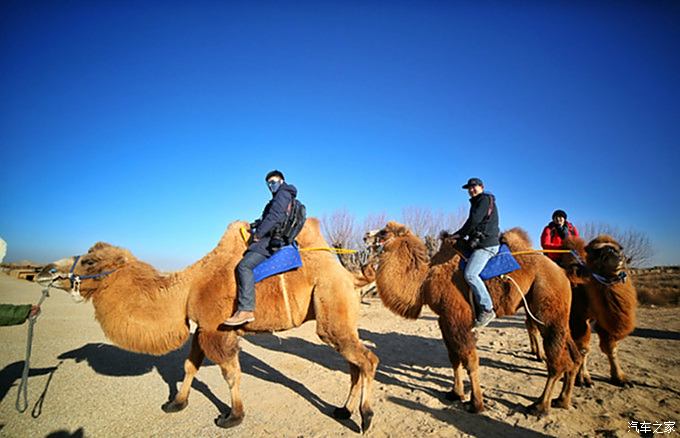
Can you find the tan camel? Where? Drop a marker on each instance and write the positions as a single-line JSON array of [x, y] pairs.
[[140, 310], [602, 294], [407, 279]]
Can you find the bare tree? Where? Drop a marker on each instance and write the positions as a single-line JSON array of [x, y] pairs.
[[340, 229], [427, 224], [636, 245], [374, 221]]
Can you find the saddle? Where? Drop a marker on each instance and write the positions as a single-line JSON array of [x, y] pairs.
[[500, 264], [285, 259]]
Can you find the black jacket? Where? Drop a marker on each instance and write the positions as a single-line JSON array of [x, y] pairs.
[[480, 220], [273, 216]]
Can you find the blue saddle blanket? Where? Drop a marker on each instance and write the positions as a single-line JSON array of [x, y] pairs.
[[500, 264], [285, 259]]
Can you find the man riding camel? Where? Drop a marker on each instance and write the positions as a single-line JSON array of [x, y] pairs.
[[481, 233], [262, 245]]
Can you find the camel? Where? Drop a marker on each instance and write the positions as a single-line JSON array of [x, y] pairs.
[[407, 280], [142, 311], [603, 295]]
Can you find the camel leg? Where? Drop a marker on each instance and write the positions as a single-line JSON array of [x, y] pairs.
[[534, 339], [350, 405], [581, 333], [555, 340], [191, 366], [231, 370], [457, 393], [542, 405], [609, 347], [362, 358], [471, 364], [564, 399]]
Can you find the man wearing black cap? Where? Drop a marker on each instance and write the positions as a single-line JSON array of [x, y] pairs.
[[556, 232], [481, 232], [261, 245]]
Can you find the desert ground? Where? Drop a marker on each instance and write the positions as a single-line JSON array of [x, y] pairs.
[[82, 385]]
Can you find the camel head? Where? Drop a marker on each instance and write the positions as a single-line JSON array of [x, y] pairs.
[[381, 239], [88, 269], [605, 256]]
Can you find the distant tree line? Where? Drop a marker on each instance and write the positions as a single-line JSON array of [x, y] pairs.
[[342, 230]]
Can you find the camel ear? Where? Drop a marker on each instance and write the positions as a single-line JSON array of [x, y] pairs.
[[99, 246]]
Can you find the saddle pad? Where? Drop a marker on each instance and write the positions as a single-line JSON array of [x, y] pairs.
[[500, 264], [285, 259]]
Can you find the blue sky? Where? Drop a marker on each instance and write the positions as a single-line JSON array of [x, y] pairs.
[[150, 125]]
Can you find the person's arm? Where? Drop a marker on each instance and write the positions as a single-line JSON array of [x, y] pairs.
[[276, 214], [477, 215], [546, 240], [11, 314], [573, 228]]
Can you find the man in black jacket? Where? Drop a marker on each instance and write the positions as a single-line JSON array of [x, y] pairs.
[[481, 232], [262, 245]]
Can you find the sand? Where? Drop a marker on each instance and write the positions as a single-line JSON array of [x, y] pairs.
[[291, 381]]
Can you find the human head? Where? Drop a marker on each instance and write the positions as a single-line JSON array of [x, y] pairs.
[[474, 186], [274, 180], [559, 217]]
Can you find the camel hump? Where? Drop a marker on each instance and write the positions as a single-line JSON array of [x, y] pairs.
[[517, 239]]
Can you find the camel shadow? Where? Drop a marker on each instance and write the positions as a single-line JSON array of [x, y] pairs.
[[112, 361], [109, 360], [471, 424], [656, 334], [401, 356], [12, 372]]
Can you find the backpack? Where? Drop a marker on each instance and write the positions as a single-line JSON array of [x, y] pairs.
[[295, 220]]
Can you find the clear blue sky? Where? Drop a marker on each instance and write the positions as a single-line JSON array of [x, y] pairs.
[[150, 124]]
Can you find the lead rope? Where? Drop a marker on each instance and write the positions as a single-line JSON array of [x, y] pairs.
[[22, 405], [519, 291]]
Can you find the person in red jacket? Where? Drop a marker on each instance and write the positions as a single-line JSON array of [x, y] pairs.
[[556, 232]]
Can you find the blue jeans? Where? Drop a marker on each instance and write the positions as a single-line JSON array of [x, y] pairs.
[[474, 267], [246, 280]]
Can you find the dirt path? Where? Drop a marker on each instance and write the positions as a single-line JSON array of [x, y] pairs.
[[291, 381]]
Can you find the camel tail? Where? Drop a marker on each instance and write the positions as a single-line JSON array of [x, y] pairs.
[[574, 353]]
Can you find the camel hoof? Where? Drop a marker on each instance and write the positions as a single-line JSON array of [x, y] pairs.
[[475, 408], [583, 383], [622, 383], [560, 403], [537, 410], [342, 413], [173, 406], [453, 396], [366, 419], [227, 422]]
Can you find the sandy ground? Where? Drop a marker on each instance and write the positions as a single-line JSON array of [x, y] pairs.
[[291, 381]]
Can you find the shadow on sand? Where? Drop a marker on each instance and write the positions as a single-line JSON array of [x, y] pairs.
[[109, 360], [12, 373], [656, 334], [472, 424]]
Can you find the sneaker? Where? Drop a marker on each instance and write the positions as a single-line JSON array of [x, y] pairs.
[[485, 318], [239, 318]]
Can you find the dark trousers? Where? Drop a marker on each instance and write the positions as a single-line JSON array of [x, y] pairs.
[[246, 281]]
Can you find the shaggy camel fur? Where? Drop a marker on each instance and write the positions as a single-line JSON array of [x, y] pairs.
[[143, 311], [610, 305], [407, 280]]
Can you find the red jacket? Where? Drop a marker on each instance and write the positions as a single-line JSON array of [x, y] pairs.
[[551, 239]]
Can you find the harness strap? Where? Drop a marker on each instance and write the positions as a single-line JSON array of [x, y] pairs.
[[22, 405], [519, 291]]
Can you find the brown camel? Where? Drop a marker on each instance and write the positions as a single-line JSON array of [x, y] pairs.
[[407, 279], [140, 310], [602, 294]]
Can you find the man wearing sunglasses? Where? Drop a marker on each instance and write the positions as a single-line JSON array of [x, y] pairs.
[[262, 245]]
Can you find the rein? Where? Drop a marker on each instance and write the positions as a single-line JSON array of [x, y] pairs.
[[22, 405]]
